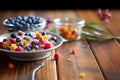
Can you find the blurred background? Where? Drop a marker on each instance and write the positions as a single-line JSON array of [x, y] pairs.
[[58, 4]]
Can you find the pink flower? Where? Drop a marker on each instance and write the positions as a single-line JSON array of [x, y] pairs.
[[104, 15], [48, 19]]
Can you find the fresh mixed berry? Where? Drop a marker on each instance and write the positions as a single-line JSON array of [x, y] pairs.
[[28, 41]]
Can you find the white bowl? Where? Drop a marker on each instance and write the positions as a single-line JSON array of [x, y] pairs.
[[29, 55]]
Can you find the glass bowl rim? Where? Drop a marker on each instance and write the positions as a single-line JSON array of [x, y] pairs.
[[69, 20]]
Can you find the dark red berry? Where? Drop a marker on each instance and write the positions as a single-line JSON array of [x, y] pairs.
[[5, 39], [56, 55], [48, 45], [19, 48], [20, 33], [12, 40]]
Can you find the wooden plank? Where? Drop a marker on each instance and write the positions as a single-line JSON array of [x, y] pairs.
[[81, 62], [114, 25], [49, 70], [106, 53], [22, 69]]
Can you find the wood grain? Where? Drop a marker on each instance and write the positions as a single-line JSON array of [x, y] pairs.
[[107, 53]]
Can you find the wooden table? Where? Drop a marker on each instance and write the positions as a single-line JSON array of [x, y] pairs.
[[98, 60]]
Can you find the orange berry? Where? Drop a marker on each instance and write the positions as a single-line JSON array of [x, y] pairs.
[[10, 66], [69, 59], [77, 48], [82, 75], [38, 34]]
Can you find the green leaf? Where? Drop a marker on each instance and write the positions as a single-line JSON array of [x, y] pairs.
[[100, 37], [93, 26]]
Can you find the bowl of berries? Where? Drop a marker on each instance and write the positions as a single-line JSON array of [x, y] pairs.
[[25, 23], [29, 45]]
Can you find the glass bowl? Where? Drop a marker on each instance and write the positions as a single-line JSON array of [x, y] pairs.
[[25, 23], [69, 28]]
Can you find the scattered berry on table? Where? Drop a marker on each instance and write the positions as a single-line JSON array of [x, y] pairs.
[[73, 51], [82, 75], [77, 48], [69, 59], [56, 56], [10, 66]]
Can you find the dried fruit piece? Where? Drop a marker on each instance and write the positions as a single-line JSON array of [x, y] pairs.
[[77, 48], [82, 75], [69, 59]]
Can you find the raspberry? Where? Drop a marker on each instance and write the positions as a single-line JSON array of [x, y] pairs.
[[73, 51], [48, 45], [56, 56], [19, 48], [12, 40], [20, 33], [5, 39], [43, 42]]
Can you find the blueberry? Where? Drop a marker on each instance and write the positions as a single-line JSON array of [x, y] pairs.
[[43, 33], [39, 21], [13, 35], [12, 21], [25, 18], [9, 19], [8, 22], [20, 26], [54, 38], [27, 26], [17, 20], [19, 17], [16, 24], [26, 34], [27, 48], [18, 39], [30, 35], [22, 22], [20, 44], [36, 47]]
